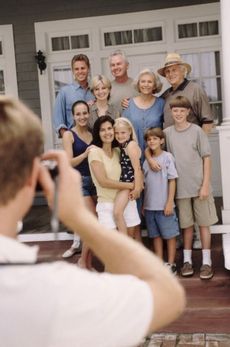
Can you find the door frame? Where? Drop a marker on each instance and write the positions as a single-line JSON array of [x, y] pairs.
[[97, 52], [7, 60]]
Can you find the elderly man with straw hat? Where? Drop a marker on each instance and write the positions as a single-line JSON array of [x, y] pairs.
[[175, 71]]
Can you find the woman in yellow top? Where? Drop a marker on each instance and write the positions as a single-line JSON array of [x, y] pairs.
[[105, 168]]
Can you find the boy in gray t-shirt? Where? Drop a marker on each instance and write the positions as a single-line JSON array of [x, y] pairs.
[[189, 145], [160, 186]]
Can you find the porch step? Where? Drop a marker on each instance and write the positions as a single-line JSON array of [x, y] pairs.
[[208, 301], [226, 250]]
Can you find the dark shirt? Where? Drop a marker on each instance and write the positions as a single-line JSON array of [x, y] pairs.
[[201, 112]]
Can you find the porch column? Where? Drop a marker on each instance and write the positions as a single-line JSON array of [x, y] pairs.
[[224, 129]]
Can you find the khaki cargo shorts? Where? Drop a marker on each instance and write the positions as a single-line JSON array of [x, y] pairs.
[[191, 210]]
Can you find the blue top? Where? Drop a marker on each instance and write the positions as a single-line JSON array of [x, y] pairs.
[[79, 147], [67, 95], [142, 119], [156, 182]]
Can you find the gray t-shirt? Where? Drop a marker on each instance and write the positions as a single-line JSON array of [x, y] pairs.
[[189, 147], [156, 183], [120, 91]]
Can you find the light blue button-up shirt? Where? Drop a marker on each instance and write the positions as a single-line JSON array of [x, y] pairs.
[[70, 93]]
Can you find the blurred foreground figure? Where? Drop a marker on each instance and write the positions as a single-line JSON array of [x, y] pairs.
[[61, 304]]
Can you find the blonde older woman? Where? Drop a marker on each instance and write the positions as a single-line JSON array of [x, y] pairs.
[[100, 87], [146, 109]]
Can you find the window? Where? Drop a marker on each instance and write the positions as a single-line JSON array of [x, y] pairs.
[[206, 71], [61, 77], [133, 36], [65, 43], [148, 34], [198, 29], [118, 38]]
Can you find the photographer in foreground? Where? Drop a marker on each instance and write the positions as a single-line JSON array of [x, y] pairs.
[[58, 304]]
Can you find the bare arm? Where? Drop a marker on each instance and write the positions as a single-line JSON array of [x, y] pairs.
[[204, 189], [134, 153], [125, 102], [168, 210], [105, 182], [67, 142], [120, 254], [154, 165]]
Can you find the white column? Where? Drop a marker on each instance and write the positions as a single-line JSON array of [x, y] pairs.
[[224, 129], [225, 29]]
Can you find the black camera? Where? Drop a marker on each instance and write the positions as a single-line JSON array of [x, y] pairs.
[[52, 167]]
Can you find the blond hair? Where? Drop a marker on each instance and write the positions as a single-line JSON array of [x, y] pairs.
[[97, 79], [21, 140], [157, 82], [126, 123]]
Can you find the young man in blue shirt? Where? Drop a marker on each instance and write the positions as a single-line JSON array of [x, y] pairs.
[[78, 90]]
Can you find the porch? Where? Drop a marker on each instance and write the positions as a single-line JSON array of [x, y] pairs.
[[208, 302]]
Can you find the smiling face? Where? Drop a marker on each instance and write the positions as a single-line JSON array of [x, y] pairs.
[[81, 115], [175, 75], [101, 92], [118, 66], [155, 143], [106, 132], [180, 115], [122, 133], [80, 71], [146, 84]]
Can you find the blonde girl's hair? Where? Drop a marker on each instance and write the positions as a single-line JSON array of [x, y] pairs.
[[126, 123], [157, 82]]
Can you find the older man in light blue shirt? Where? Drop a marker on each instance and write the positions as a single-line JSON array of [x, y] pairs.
[[78, 90]]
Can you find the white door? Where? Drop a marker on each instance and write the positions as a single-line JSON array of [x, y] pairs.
[[8, 79]]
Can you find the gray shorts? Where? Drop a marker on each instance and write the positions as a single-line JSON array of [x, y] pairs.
[[191, 210]]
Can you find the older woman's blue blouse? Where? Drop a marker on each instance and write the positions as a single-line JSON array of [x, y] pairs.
[[142, 119]]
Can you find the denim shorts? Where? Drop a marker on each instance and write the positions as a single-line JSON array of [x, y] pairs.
[[88, 188], [159, 225]]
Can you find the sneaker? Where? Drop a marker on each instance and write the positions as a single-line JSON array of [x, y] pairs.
[[71, 251], [187, 270], [172, 268], [206, 272]]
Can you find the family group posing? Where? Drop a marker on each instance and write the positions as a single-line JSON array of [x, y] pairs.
[[113, 135]]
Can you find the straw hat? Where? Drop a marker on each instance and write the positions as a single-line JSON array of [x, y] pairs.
[[173, 59]]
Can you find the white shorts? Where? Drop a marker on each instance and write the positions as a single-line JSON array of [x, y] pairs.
[[105, 214]]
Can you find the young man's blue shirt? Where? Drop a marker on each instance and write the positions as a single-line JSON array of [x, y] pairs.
[[70, 93]]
